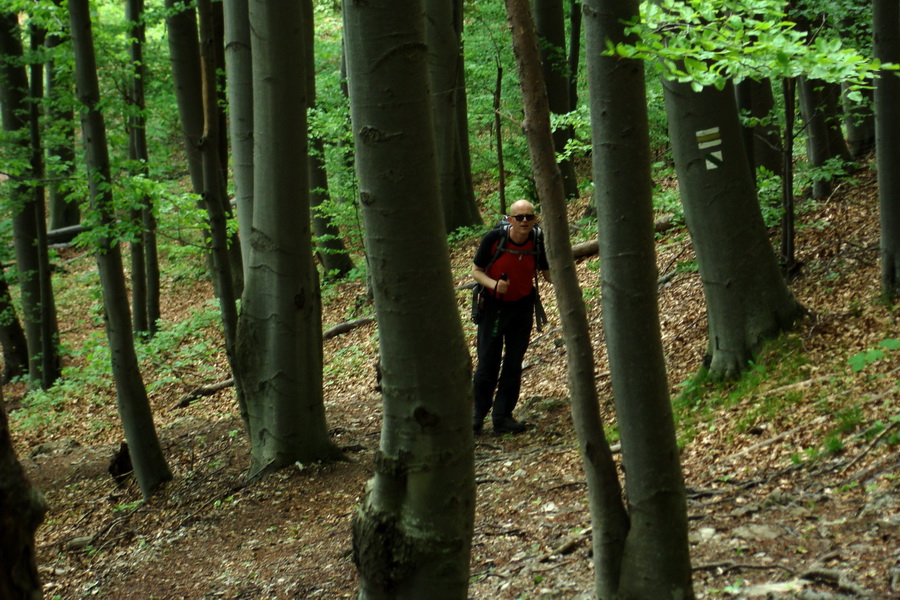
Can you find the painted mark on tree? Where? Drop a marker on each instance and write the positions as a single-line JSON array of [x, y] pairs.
[[707, 139]]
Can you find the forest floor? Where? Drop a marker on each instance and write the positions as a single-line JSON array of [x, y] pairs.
[[792, 472]]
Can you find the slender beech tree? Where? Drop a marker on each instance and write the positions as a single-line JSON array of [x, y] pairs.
[[747, 298], [12, 336], [29, 224], [642, 551], [150, 466], [550, 21], [412, 533], [444, 29], [280, 327], [886, 31], [332, 252], [145, 291], [63, 211], [761, 141], [22, 510], [239, 75], [820, 108]]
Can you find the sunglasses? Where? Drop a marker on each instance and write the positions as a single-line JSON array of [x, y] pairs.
[[521, 218]]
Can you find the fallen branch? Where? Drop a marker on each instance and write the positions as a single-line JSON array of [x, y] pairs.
[[775, 439], [868, 448], [346, 326], [203, 391]]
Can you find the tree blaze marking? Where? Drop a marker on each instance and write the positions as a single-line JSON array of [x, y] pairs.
[[710, 138]]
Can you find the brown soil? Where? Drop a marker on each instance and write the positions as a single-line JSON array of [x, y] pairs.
[[768, 504]]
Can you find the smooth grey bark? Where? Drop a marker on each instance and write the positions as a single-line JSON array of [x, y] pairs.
[[332, 253], [412, 533], [22, 510], [550, 23], [886, 30], [819, 106], [444, 28], [859, 120], [29, 225], [12, 336], [761, 142], [655, 562], [605, 496], [280, 326], [239, 75], [184, 54], [62, 211], [747, 298], [150, 466], [145, 275]]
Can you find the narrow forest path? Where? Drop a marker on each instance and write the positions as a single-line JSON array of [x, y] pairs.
[[793, 479]]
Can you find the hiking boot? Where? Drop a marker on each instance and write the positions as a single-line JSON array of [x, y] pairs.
[[509, 425], [477, 424]]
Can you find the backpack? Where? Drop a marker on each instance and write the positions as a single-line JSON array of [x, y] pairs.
[[479, 293]]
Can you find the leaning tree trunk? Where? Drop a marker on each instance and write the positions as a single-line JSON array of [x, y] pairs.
[[444, 27], [239, 69], [280, 327], [412, 534], [22, 510], [332, 252], [29, 233], [886, 28], [550, 23], [747, 298], [145, 277], [134, 407], [656, 561], [859, 119], [608, 516]]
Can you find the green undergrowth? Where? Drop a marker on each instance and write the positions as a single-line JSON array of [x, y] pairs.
[[781, 389]]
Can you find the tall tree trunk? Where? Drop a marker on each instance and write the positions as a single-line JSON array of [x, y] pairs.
[[551, 30], [63, 212], [144, 258], [336, 262], [412, 534], [575, 18], [150, 466], [761, 142], [746, 296], [239, 69], [819, 102], [184, 53], [280, 328], [22, 510], [29, 228], [859, 119], [886, 29], [444, 27], [656, 560]]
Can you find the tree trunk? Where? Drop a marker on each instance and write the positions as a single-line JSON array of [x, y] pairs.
[[134, 407], [29, 228], [184, 53], [63, 212], [747, 298], [444, 27], [336, 262], [608, 516], [239, 69], [280, 327], [859, 119], [412, 534], [144, 258], [819, 103], [22, 510], [12, 336], [550, 23], [886, 28], [575, 18], [761, 142], [656, 560]]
